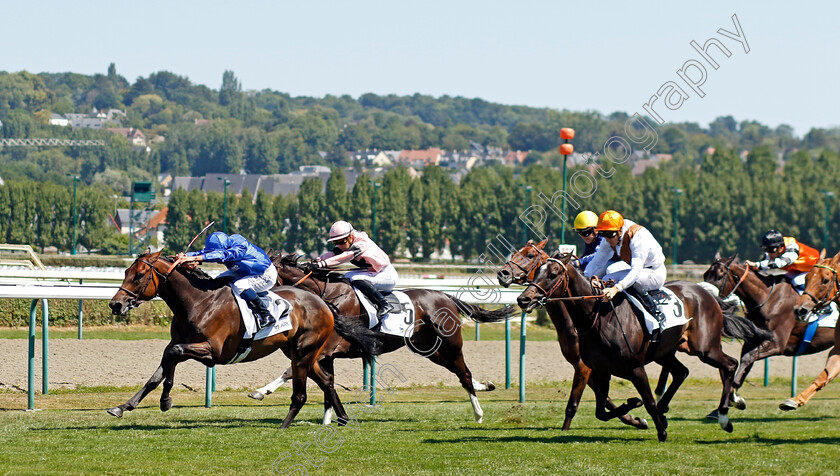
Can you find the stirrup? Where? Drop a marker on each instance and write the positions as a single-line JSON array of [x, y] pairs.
[[384, 310]]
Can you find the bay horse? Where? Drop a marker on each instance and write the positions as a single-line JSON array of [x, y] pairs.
[[613, 342], [437, 329], [822, 286], [207, 327], [769, 303], [520, 269]]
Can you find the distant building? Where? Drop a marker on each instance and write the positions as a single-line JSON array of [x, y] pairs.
[[134, 136], [59, 120]]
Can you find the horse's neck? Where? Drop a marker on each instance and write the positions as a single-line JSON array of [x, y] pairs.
[[183, 297], [753, 291], [582, 310]]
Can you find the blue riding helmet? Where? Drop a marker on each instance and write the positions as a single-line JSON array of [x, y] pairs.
[[217, 241]]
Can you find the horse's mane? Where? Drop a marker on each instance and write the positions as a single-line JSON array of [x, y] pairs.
[[292, 260], [195, 272]]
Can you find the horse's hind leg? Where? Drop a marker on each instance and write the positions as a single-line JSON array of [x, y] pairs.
[[150, 385], [299, 373], [261, 392], [322, 375], [661, 383], [679, 373], [605, 409], [452, 359]]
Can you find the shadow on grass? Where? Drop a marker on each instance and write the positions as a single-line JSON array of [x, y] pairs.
[[560, 438], [773, 441]]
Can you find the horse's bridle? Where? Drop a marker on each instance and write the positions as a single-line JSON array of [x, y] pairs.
[[149, 279], [537, 263], [741, 280], [821, 303], [564, 281]]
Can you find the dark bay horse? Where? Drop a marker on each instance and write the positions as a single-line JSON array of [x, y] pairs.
[[520, 269], [207, 327], [613, 342], [437, 329], [822, 286], [769, 303]]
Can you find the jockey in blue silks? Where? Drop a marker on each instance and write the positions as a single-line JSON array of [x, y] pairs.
[[248, 268]]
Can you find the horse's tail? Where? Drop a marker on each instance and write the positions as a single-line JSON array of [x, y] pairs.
[[738, 327], [356, 332], [482, 315]]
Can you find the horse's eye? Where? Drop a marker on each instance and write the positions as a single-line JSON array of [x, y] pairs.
[[530, 256], [825, 280], [138, 276]]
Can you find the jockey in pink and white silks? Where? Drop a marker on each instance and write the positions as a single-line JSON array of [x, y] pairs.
[[378, 274]]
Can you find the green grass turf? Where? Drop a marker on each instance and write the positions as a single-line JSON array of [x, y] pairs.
[[416, 431]]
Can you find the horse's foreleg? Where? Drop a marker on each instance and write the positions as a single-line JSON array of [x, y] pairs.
[[325, 370], [176, 354], [132, 403], [261, 392], [579, 381], [679, 373], [752, 352], [640, 381], [832, 369]]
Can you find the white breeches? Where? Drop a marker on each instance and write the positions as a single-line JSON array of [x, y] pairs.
[[384, 280], [649, 278], [259, 283]]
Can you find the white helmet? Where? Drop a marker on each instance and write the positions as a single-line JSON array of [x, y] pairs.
[[340, 230]]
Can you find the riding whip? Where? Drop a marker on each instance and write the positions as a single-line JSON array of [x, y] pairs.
[[178, 261]]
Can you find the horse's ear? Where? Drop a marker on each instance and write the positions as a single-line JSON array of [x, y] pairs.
[[530, 242], [836, 259], [565, 258], [822, 253], [717, 255], [729, 260], [156, 255], [542, 243]]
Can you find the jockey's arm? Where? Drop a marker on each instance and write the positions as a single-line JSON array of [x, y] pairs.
[[597, 266], [790, 255], [638, 256], [335, 259]]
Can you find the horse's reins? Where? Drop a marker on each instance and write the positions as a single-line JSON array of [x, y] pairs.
[[149, 279], [821, 303]]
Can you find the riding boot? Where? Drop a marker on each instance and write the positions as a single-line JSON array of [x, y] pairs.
[[259, 307], [651, 308], [369, 290]]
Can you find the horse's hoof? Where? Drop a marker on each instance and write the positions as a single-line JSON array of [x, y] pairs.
[[738, 402], [165, 404], [256, 395], [728, 427], [788, 405], [643, 424], [634, 402], [116, 411], [713, 416], [490, 386], [663, 436], [479, 418]]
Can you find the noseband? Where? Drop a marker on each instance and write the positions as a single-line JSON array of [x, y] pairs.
[[529, 271], [149, 279], [821, 303], [562, 281]]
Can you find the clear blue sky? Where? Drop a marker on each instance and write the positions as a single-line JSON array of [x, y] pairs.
[[605, 56]]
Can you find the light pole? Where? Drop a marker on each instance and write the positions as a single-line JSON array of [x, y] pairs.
[[677, 193], [75, 181], [566, 149], [828, 195], [224, 213], [376, 185], [527, 189]]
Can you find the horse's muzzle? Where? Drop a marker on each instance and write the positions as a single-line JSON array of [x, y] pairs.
[[801, 313], [527, 303], [119, 308], [505, 277]]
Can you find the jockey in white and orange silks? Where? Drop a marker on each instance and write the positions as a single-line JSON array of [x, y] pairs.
[[378, 274]]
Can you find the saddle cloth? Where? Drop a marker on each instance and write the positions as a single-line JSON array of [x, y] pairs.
[[398, 323], [279, 309], [669, 305], [826, 317]]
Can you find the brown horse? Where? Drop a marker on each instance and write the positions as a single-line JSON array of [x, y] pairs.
[[613, 342], [437, 329], [822, 286], [520, 269], [207, 327], [769, 303]]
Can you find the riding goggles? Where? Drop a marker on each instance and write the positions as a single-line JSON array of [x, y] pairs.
[[585, 232], [608, 233]]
